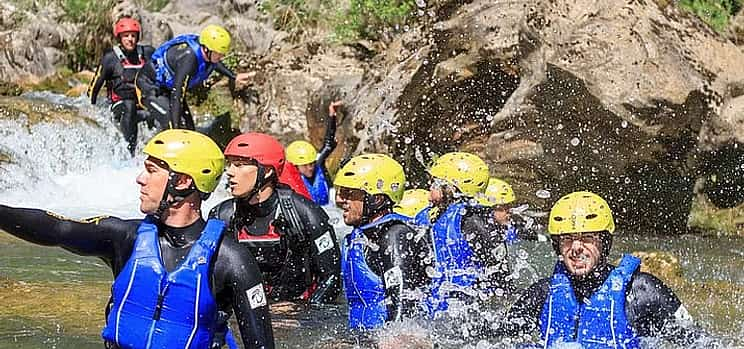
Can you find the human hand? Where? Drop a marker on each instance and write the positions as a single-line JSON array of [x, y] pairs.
[[243, 79], [333, 107]]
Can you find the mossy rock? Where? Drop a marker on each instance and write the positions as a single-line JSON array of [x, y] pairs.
[[706, 218], [37, 111], [663, 265]]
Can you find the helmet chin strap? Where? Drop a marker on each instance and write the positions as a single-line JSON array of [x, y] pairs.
[[177, 195], [261, 181]]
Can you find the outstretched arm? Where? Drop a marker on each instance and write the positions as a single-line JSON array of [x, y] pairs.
[[98, 236]]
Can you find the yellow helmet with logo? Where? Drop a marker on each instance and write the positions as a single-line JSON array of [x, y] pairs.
[[498, 192], [190, 153], [413, 201], [580, 212], [215, 38], [374, 174], [466, 171], [301, 153]]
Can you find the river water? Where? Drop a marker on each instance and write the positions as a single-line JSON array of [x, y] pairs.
[[50, 298]]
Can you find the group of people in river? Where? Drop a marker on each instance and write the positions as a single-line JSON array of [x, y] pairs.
[[412, 254]]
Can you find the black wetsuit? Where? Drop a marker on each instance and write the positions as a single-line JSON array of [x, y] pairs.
[[403, 248], [650, 307], [168, 106], [295, 260], [118, 75], [234, 270]]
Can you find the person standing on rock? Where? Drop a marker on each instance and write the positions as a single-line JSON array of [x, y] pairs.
[[311, 164], [470, 253], [499, 195], [181, 64], [291, 236], [383, 262], [118, 68], [589, 301], [173, 271]]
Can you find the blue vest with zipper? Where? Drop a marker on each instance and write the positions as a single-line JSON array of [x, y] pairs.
[[317, 186], [164, 73], [153, 308], [365, 290], [454, 260], [600, 322]]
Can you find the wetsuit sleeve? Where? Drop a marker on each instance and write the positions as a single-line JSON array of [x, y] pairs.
[[655, 311], [488, 243], [523, 317], [324, 252], [185, 66], [100, 236], [329, 142], [242, 284], [103, 73], [147, 52], [402, 271], [222, 69]]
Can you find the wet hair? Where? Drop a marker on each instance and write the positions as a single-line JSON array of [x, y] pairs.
[[376, 205]]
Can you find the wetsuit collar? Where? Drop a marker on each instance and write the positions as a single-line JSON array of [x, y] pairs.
[[261, 209], [183, 236], [586, 286]]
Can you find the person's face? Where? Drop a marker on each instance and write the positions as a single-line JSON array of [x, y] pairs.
[[212, 56], [501, 214], [581, 252], [351, 202], [307, 170], [241, 175], [152, 183], [128, 40]]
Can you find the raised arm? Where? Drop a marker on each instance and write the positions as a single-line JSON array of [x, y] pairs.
[[329, 141]]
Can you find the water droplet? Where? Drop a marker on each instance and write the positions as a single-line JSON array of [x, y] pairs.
[[575, 141], [559, 127], [624, 124], [542, 194]]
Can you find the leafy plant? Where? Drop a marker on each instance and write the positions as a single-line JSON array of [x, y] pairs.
[[298, 17], [372, 19], [715, 13]]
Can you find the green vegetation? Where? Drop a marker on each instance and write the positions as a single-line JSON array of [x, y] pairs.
[[707, 218], [347, 20], [714, 12], [372, 19]]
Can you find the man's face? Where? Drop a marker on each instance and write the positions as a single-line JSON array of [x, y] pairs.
[[580, 252], [128, 40], [307, 170], [152, 183], [211, 56], [241, 175], [351, 202]]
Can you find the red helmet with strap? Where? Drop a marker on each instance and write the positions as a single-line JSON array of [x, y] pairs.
[[265, 149], [127, 24]]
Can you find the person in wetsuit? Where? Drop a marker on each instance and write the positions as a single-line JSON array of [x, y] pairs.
[[499, 195], [291, 237], [470, 252], [181, 64], [589, 301], [117, 70], [383, 264], [311, 164], [173, 271]]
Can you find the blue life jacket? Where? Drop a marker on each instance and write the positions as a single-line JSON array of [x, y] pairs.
[[318, 188], [511, 234], [164, 73], [365, 290], [598, 323], [454, 258], [156, 309]]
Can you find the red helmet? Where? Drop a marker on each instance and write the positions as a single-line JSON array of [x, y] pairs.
[[260, 147], [126, 24]]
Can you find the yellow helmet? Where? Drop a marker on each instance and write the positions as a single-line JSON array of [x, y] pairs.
[[301, 153], [373, 173], [466, 171], [580, 212], [413, 201], [215, 38], [498, 192], [190, 153]]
